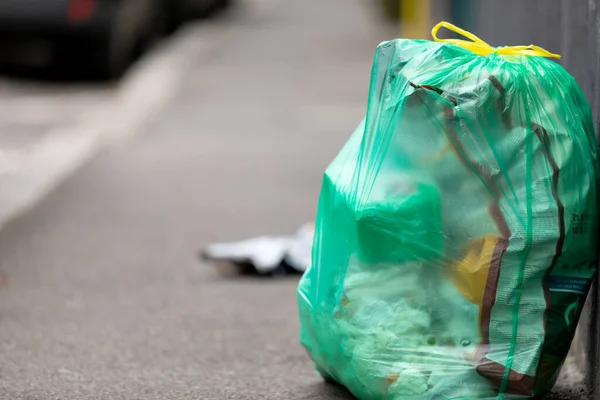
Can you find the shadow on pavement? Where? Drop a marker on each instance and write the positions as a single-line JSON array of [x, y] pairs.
[[330, 391]]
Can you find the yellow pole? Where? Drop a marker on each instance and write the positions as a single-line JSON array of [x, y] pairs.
[[415, 19]]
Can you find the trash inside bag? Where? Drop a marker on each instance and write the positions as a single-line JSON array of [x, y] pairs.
[[455, 240]]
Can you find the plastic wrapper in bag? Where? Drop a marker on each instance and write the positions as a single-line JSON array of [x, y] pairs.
[[456, 233]]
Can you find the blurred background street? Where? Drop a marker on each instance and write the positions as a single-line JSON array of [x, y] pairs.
[[221, 131], [102, 294]]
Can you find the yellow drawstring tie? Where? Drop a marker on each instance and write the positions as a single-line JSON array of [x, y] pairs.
[[481, 48]]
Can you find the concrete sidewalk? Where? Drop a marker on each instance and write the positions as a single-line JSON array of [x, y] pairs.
[[103, 296]]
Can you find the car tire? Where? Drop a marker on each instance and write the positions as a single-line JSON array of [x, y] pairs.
[[158, 26], [175, 15], [110, 60], [96, 59], [222, 4], [113, 53], [180, 11]]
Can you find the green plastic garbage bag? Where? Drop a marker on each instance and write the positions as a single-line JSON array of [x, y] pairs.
[[456, 233]]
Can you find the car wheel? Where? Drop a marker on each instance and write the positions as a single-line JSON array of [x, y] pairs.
[[175, 15], [114, 52], [182, 11], [110, 60], [222, 4], [158, 25]]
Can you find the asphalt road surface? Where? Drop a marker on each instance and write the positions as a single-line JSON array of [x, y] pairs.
[[101, 295]]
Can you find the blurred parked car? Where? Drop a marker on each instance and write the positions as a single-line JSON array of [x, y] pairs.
[[101, 36]]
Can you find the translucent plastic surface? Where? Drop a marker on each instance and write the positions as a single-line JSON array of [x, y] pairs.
[[456, 232]]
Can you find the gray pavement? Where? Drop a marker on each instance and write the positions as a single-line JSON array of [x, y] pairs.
[[101, 295]]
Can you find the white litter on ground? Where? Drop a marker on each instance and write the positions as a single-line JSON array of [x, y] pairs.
[[266, 254]]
